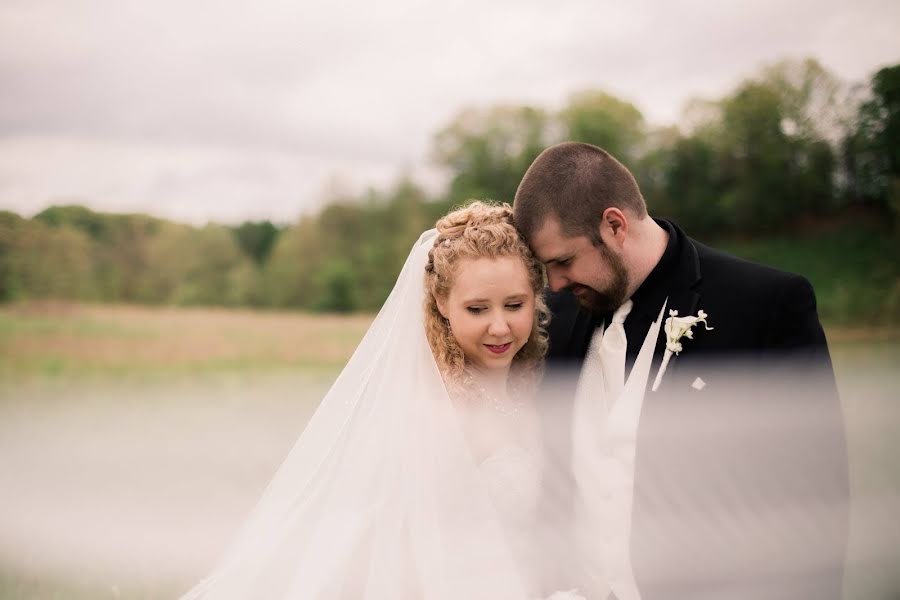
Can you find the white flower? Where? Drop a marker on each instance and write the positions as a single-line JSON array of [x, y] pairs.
[[679, 327]]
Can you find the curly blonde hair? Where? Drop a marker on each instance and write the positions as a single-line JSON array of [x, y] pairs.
[[479, 230]]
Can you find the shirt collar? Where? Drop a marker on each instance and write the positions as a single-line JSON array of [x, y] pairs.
[[648, 298]]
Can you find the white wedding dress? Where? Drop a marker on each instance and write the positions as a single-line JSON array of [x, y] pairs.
[[512, 476], [514, 479], [382, 497]]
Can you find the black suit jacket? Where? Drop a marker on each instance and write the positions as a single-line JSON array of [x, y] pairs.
[[758, 312], [741, 487]]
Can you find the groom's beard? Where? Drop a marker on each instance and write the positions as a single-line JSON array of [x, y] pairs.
[[610, 297]]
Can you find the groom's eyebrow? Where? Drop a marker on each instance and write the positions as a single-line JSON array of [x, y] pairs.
[[557, 259]]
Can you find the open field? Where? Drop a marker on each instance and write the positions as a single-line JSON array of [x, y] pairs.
[[133, 440], [63, 341]]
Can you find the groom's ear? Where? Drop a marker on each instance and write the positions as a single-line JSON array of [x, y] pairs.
[[613, 226]]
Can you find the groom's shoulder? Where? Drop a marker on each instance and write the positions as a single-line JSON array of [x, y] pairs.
[[726, 269]]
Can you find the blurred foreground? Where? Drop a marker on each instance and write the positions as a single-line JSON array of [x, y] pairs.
[[133, 441]]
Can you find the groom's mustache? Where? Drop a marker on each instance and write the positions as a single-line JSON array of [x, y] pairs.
[[591, 299], [577, 287]]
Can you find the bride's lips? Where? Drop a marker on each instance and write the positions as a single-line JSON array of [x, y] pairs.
[[498, 349]]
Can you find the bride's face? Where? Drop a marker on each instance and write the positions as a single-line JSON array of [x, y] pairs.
[[490, 307]]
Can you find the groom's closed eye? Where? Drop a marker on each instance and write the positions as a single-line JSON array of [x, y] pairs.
[[559, 262]]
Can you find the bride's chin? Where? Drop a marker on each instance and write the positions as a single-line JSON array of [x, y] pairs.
[[498, 367]]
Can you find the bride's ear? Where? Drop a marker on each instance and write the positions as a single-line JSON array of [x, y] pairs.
[[441, 305]]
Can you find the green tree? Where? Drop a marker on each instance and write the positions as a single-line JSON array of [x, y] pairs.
[[119, 260], [871, 150], [808, 97], [51, 262], [11, 226], [289, 274], [773, 156], [755, 153], [96, 225], [694, 183], [256, 238], [338, 287], [487, 151], [394, 223], [214, 255], [812, 121], [599, 118], [168, 264], [244, 285]]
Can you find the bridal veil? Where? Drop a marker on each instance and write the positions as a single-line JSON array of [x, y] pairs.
[[380, 498]]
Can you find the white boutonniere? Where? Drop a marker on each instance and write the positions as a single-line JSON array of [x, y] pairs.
[[677, 328]]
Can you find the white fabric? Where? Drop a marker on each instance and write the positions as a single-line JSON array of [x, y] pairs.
[[612, 350], [602, 376], [604, 436], [382, 498], [512, 476]]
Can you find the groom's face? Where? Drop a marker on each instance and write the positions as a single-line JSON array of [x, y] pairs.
[[594, 273]]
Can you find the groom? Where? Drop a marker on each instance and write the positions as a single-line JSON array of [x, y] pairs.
[[740, 483]]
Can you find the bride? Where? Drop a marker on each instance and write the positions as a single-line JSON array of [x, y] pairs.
[[419, 475]]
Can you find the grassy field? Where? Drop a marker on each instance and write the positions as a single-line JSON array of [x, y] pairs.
[[133, 439], [47, 341]]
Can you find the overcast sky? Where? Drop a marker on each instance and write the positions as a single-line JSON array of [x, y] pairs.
[[225, 110]]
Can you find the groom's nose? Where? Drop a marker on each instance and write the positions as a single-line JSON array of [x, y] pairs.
[[555, 280]]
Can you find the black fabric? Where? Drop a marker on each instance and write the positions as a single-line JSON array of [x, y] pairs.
[[757, 311], [649, 297]]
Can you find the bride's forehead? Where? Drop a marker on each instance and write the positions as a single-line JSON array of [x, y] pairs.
[[501, 273], [486, 265]]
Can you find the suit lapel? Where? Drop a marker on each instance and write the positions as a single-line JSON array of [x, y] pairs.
[[685, 297], [678, 285]]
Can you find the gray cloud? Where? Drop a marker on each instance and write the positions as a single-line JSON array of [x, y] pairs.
[[150, 104]]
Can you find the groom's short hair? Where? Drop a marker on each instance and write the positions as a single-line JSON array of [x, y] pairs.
[[574, 182]]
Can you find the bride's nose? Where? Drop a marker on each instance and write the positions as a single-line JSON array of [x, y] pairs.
[[498, 325]]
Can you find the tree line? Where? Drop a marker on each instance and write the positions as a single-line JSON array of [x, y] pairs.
[[789, 145]]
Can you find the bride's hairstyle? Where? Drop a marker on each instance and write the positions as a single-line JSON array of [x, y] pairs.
[[479, 230]]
